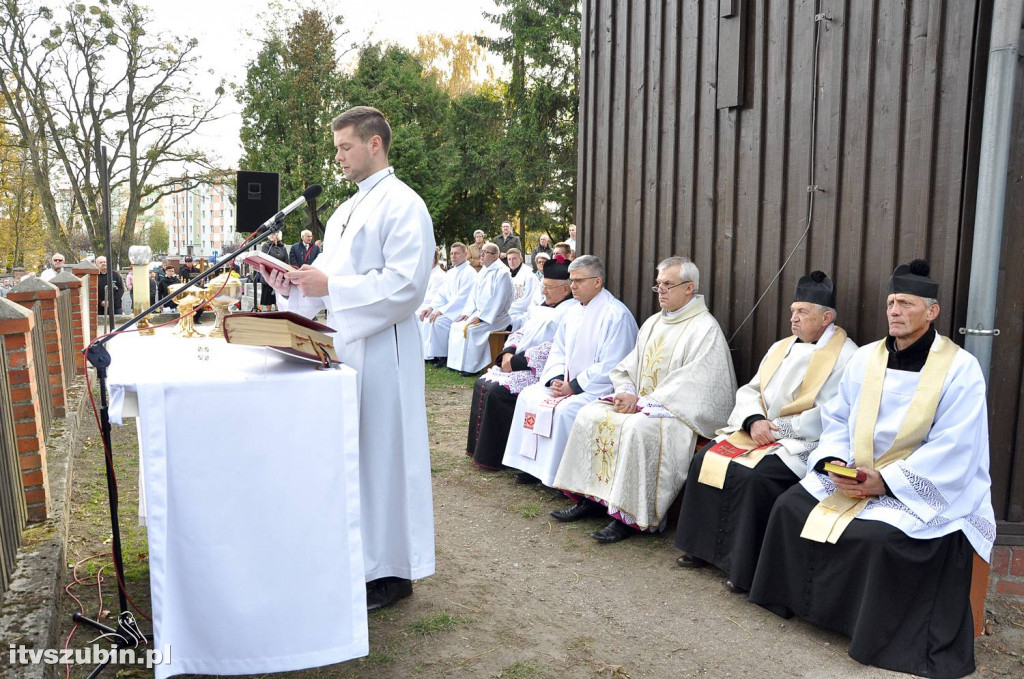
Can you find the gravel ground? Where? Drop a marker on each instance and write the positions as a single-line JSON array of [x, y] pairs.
[[518, 595]]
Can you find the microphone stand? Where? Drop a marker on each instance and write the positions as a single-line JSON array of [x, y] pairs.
[[127, 634]]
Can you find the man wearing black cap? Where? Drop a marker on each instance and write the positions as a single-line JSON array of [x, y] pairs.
[[762, 451], [882, 550], [519, 365], [188, 270]]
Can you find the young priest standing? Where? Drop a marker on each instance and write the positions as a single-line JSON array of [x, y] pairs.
[[371, 277]]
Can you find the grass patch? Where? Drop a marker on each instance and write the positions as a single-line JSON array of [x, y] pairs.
[[442, 622], [441, 378], [530, 511], [383, 656], [520, 670]]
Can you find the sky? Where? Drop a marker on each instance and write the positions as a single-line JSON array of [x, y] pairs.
[[221, 26]]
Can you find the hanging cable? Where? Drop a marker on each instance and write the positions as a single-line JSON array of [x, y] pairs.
[[812, 188]]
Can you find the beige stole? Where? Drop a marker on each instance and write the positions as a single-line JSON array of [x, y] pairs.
[[831, 516], [741, 448]]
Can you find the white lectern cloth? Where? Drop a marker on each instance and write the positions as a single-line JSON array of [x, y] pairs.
[[255, 550]]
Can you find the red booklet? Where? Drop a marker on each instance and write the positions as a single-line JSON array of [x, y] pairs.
[[262, 259]]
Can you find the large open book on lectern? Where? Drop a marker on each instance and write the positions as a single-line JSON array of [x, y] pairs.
[[284, 331]]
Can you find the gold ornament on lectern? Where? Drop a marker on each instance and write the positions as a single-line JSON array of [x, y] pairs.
[[228, 290], [187, 302]]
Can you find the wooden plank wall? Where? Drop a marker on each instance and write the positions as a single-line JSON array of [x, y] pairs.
[[663, 171]]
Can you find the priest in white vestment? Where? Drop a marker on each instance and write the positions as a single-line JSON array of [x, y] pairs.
[[447, 305], [519, 365], [880, 545], [762, 451], [486, 310], [433, 286], [371, 278], [590, 341], [628, 454], [524, 288]]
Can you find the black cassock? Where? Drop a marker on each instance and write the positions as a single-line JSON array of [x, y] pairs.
[[725, 526], [903, 602], [490, 418]]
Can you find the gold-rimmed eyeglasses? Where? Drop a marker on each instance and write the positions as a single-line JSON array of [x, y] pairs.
[[661, 287]]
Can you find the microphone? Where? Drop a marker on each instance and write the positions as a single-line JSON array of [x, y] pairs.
[[311, 192]]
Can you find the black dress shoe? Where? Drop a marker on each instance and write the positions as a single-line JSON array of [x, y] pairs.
[[689, 561], [616, 531], [735, 589], [524, 479], [584, 509], [441, 361], [386, 591], [466, 373]]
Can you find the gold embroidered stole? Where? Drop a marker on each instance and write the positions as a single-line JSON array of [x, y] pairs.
[[819, 368], [831, 516]]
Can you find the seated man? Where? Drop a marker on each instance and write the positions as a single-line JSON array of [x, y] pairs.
[[885, 557], [627, 455], [433, 286], [469, 348], [447, 305], [524, 285], [762, 451], [590, 341], [520, 362]]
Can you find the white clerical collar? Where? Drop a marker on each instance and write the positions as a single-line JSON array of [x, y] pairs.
[[673, 314], [826, 336], [374, 178]]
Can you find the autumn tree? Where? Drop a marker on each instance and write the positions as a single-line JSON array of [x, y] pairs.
[[21, 219], [458, 63], [93, 76]]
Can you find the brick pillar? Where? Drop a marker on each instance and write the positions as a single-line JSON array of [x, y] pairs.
[[1006, 579], [27, 293], [68, 281], [16, 324], [90, 275]]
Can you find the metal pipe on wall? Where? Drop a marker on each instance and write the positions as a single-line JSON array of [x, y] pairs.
[[995, 150]]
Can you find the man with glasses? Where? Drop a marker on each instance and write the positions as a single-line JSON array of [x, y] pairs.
[[590, 341], [519, 365], [628, 453], [56, 264], [485, 310], [762, 451]]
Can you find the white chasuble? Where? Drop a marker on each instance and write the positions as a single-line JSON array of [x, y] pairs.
[[468, 345], [524, 287], [589, 342], [377, 276], [637, 463], [944, 485], [798, 433], [450, 299]]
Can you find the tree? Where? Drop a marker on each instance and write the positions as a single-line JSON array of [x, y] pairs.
[[291, 94], [391, 79], [96, 77], [157, 236], [542, 50], [456, 62], [21, 228]]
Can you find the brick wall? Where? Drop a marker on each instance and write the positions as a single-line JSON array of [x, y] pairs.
[[16, 325], [1006, 579]]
